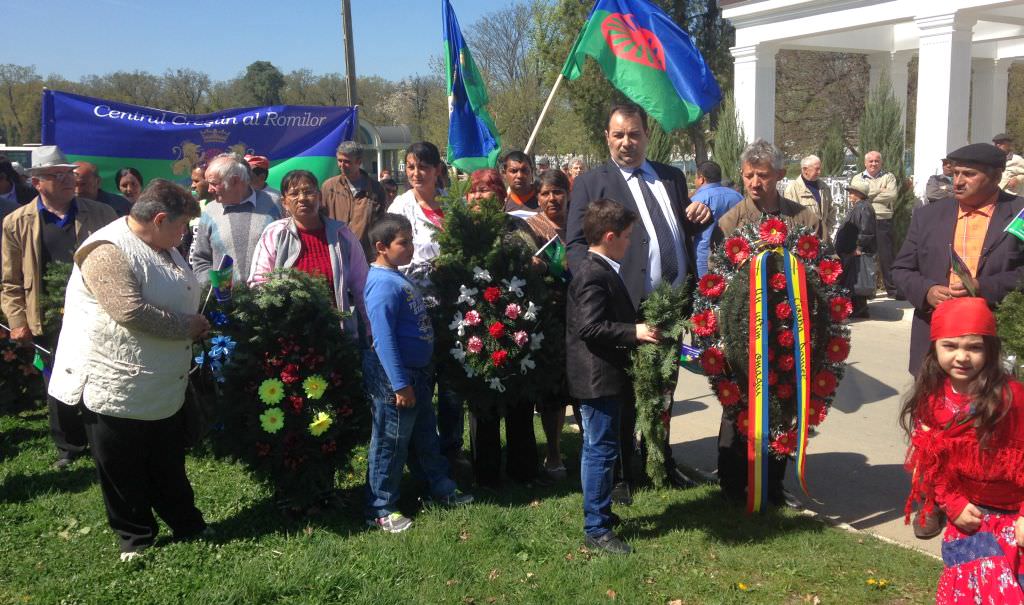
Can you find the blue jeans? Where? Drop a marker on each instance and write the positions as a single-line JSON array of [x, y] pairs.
[[451, 417], [397, 432], [597, 465]]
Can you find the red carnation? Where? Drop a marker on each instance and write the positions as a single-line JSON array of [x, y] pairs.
[[772, 378], [496, 330], [296, 403], [771, 354], [777, 281], [785, 338], [785, 443], [728, 392], [784, 391], [773, 232], [499, 358], [786, 363], [741, 422], [711, 285], [840, 308], [818, 412], [290, 373], [705, 323], [713, 361], [824, 383], [492, 294], [262, 449], [838, 349], [737, 250], [783, 311], [807, 246], [830, 270]]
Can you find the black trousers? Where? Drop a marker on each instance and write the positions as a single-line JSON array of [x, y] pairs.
[[732, 466], [521, 460], [141, 467], [66, 428], [886, 253]]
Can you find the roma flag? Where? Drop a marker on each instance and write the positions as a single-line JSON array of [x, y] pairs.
[[649, 58], [166, 144], [473, 140]]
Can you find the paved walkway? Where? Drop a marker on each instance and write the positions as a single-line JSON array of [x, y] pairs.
[[855, 463]]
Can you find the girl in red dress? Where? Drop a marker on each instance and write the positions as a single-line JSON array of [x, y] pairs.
[[965, 418]]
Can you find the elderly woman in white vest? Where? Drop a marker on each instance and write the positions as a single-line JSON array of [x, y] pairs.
[[316, 244], [124, 351]]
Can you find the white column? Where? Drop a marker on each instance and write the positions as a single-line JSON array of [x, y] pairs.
[[989, 81], [754, 90], [894, 64], [944, 69]]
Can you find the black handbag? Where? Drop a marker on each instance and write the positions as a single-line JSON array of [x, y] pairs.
[[867, 274]]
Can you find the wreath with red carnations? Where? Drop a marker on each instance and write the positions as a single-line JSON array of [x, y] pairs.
[[721, 327]]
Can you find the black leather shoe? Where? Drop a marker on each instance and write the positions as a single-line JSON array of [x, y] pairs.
[[677, 478], [65, 460], [621, 494], [931, 525], [609, 543]]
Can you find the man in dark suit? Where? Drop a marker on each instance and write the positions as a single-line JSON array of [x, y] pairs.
[[662, 248], [972, 224], [601, 330]]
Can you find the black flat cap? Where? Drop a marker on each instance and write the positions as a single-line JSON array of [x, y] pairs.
[[1002, 136], [979, 153]]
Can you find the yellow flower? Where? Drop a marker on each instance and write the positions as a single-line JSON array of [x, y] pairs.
[[315, 386], [271, 391], [872, 581], [742, 586], [320, 424]]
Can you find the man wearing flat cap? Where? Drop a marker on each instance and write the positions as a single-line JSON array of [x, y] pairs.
[[259, 166], [1013, 174], [45, 230]]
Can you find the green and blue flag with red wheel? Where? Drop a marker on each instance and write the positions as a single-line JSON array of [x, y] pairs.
[[649, 58], [473, 140]]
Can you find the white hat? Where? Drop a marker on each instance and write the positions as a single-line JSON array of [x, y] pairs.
[[48, 156]]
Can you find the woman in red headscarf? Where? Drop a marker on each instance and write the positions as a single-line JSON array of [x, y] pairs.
[[965, 417]]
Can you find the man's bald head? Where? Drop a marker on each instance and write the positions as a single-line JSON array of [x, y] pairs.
[[873, 163], [87, 180]]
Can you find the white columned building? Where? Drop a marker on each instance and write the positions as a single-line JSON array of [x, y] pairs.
[[964, 50]]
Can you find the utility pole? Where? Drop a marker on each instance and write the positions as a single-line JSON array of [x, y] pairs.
[[350, 55]]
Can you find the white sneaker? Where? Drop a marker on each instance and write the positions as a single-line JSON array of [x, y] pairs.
[[393, 524]]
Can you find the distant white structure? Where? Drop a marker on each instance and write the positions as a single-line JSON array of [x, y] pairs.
[[964, 47]]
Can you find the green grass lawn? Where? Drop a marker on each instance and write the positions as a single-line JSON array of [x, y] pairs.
[[513, 546]]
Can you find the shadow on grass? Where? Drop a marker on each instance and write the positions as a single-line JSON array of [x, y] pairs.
[[725, 522], [343, 516], [25, 488], [11, 441]]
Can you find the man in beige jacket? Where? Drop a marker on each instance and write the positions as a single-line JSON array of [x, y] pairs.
[[811, 191], [47, 229], [882, 192], [1013, 174]]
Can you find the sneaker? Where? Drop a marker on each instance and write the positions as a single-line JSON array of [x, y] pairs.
[[609, 543], [454, 499], [393, 524], [128, 556]]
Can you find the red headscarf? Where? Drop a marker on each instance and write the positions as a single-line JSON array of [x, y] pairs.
[[489, 178], [961, 316]]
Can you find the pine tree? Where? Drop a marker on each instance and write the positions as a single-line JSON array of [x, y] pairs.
[[833, 151], [881, 129], [729, 141]]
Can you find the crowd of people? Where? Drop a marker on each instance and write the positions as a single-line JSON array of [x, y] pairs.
[[141, 264]]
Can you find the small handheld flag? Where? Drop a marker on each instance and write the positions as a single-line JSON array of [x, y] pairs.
[[220, 279], [689, 358], [962, 272], [553, 253], [1016, 226]]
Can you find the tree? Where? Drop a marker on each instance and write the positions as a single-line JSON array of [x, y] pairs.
[[833, 151], [263, 83], [729, 141], [881, 130], [20, 88], [185, 90]]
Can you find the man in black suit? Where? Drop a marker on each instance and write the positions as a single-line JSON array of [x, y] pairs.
[[601, 330], [663, 247], [973, 225]]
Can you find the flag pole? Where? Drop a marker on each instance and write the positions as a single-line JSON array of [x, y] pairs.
[[543, 112]]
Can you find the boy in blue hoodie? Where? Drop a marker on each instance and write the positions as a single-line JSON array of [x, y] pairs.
[[398, 376]]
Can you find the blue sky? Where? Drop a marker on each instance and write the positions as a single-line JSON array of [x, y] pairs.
[[393, 38]]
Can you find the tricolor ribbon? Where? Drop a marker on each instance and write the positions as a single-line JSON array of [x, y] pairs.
[[796, 289], [758, 422], [758, 431]]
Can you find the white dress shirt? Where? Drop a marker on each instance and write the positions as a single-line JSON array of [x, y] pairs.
[[654, 251]]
